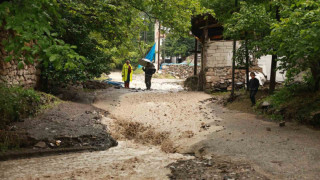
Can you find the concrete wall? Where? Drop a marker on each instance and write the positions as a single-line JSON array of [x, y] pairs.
[[265, 63], [220, 53], [10, 73]]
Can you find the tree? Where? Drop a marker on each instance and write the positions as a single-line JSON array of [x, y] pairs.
[[32, 37], [79, 39], [297, 37], [178, 45], [252, 24]]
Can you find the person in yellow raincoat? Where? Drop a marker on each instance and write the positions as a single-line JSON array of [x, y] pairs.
[[127, 73]]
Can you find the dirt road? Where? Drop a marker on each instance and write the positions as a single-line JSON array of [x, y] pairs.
[[234, 141]]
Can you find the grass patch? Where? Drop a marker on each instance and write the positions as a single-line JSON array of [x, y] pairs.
[[242, 102], [295, 103], [17, 103]]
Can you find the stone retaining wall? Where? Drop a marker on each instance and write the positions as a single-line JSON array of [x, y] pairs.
[[220, 78], [10, 73], [179, 71]]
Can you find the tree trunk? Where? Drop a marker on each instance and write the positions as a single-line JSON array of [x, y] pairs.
[[247, 62], [195, 62], [204, 56], [274, 62], [272, 85], [315, 70]]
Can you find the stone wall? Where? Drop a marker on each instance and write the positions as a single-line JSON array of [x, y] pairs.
[[220, 78], [219, 67], [179, 71], [10, 73]]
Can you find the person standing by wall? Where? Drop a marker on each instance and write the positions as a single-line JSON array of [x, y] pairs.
[[127, 73], [149, 70], [253, 87]]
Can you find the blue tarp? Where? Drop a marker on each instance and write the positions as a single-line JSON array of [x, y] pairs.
[[151, 54], [115, 83]]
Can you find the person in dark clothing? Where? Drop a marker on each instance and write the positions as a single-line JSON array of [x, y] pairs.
[[253, 87], [149, 70]]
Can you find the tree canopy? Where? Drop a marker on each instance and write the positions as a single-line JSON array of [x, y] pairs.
[[79, 39]]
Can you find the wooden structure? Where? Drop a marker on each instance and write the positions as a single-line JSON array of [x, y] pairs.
[[205, 27]]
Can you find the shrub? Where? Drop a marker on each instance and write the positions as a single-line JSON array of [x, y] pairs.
[[295, 102], [16, 103]]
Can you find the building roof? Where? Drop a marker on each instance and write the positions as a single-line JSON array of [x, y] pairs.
[[200, 22]]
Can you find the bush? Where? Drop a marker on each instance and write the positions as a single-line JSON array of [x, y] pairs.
[[295, 102], [16, 103]]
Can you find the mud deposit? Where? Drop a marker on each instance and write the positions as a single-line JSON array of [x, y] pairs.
[[214, 168], [68, 125]]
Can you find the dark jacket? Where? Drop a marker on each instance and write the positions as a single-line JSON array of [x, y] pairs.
[[149, 70], [254, 84]]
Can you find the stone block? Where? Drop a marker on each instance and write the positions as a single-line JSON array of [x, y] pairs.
[[3, 72], [210, 73], [208, 79], [220, 44], [228, 43], [216, 54], [221, 50], [211, 51]]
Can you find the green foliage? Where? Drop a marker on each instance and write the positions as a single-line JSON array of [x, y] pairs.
[[252, 25], [295, 102], [76, 40], [16, 103], [31, 34], [297, 37], [173, 14], [178, 45], [253, 19]]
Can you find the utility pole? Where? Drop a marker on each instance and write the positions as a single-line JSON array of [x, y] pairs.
[[159, 46]]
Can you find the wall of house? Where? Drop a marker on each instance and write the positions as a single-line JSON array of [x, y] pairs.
[[219, 67], [10, 74]]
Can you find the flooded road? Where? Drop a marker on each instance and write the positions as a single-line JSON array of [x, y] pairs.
[[127, 160], [196, 125]]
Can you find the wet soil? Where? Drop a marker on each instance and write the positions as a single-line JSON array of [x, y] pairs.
[[215, 168], [67, 125]]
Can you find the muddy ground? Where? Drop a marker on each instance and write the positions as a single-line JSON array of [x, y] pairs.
[[205, 141], [67, 126]]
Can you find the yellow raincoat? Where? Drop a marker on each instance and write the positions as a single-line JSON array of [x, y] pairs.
[[125, 72]]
